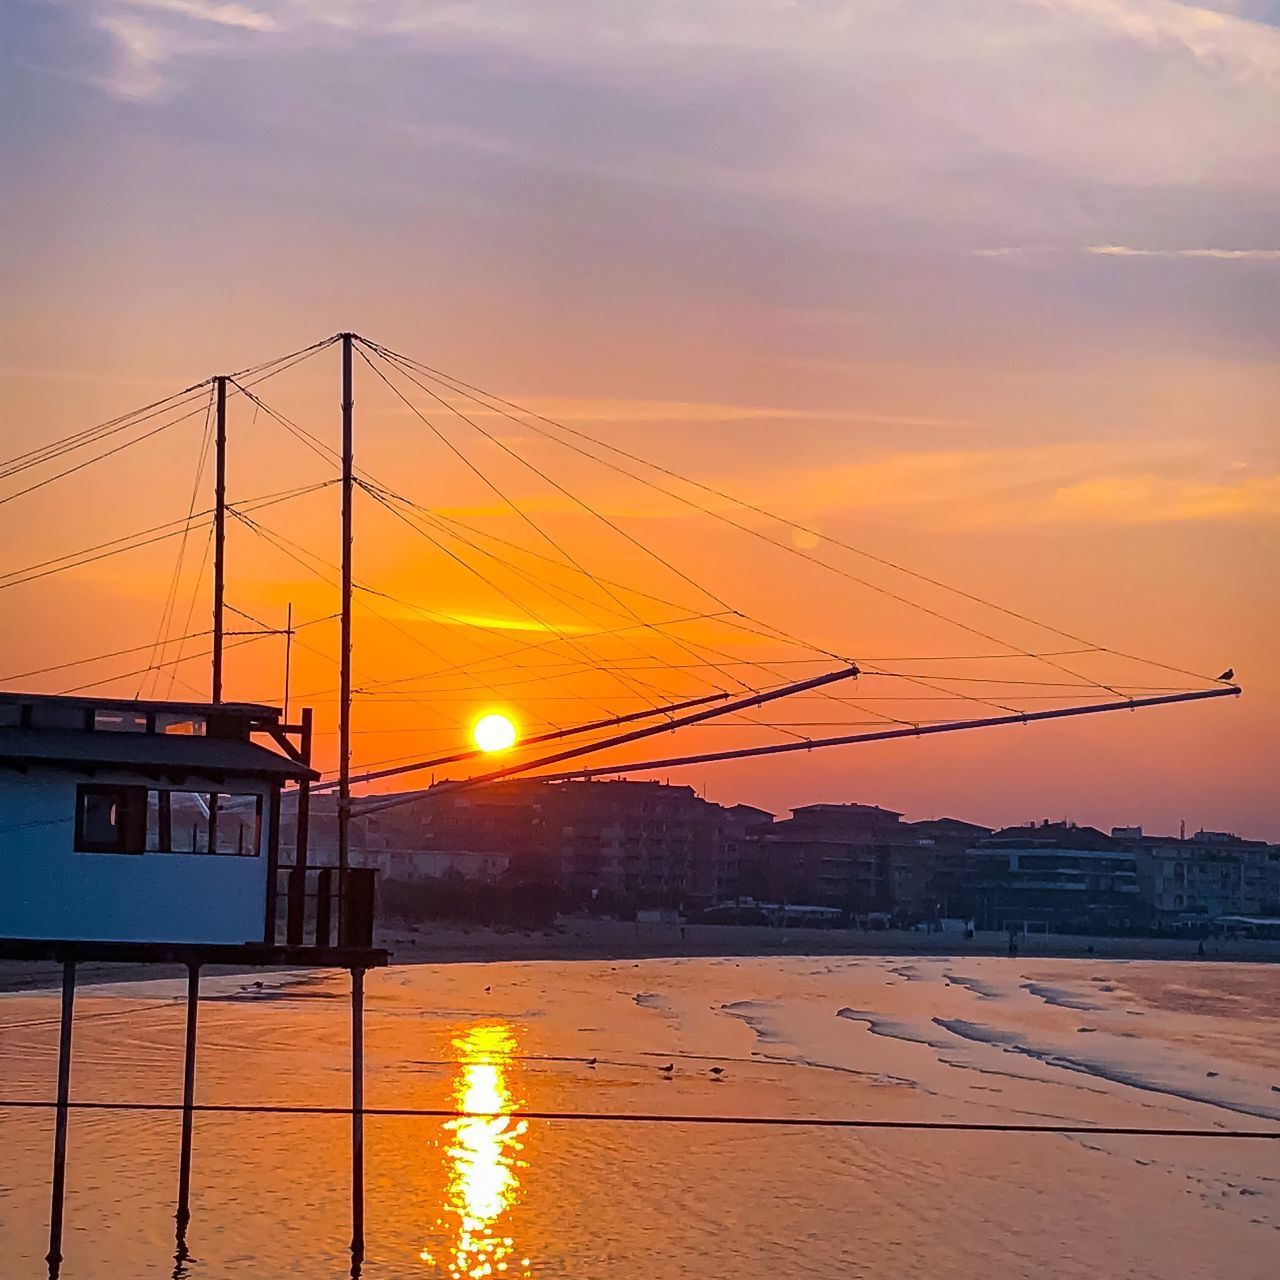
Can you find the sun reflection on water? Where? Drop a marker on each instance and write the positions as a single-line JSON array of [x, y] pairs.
[[484, 1161]]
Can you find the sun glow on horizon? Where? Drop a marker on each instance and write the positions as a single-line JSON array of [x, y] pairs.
[[494, 732]]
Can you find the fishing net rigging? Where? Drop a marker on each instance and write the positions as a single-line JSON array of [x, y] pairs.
[[553, 572]]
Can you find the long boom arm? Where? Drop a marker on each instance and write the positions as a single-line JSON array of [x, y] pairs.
[[882, 735], [603, 744]]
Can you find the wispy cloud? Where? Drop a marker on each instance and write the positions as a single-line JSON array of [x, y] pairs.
[[1155, 499], [1127, 251], [404, 612], [149, 36], [1132, 251], [688, 412], [1096, 482], [140, 53], [1224, 38], [1087, 482], [222, 15]]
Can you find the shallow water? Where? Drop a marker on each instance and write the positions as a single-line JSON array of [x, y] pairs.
[[1067, 1041]]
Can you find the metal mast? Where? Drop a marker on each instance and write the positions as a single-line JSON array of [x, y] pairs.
[[344, 696], [219, 529]]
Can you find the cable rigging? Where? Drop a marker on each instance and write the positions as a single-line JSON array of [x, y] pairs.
[[461, 545], [375, 490], [588, 508], [483, 397]]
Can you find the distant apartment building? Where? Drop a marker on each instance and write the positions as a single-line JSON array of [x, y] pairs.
[[740, 869], [406, 866], [956, 874], [1068, 878], [644, 842], [625, 844], [392, 844], [654, 844], [839, 855], [1204, 876]]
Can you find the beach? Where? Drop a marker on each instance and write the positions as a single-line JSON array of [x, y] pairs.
[[926, 1039]]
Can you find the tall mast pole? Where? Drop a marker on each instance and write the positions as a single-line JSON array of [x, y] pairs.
[[344, 697], [219, 528]]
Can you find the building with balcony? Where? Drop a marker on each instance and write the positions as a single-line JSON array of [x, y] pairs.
[[855, 857], [1068, 878], [1190, 880]]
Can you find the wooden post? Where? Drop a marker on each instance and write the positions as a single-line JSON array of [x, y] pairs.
[[324, 904], [303, 829], [357, 1116], [219, 532], [288, 655], [344, 656], [183, 1215], [54, 1256], [295, 923], [296, 908], [269, 927]]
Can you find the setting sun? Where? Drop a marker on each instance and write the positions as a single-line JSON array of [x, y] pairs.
[[493, 732]]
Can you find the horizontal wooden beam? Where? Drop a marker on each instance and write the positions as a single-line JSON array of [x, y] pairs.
[[239, 955]]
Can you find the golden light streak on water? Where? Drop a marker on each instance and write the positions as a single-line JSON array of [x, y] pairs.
[[485, 1161]]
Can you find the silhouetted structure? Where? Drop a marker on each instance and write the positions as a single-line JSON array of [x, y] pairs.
[[1068, 878], [640, 843], [1191, 881], [149, 832], [857, 857]]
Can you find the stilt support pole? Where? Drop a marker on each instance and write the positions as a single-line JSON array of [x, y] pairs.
[[357, 1117], [54, 1256], [183, 1215]]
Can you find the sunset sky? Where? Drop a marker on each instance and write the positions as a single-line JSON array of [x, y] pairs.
[[986, 288]]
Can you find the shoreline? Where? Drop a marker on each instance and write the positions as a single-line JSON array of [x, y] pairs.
[[581, 939], [604, 940]]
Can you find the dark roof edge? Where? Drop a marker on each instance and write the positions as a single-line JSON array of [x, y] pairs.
[[145, 704]]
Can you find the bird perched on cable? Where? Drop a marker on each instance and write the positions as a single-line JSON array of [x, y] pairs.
[[1228, 674]]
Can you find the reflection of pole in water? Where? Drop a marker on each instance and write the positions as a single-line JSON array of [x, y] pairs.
[[485, 1163]]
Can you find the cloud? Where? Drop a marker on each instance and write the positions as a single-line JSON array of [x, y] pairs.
[[685, 412], [1086, 482], [222, 15], [949, 65], [1129, 251], [1125, 251], [1094, 482], [1229, 39], [140, 53], [488, 622], [1154, 499], [149, 36]]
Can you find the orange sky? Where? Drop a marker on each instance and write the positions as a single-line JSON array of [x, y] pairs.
[[990, 295]]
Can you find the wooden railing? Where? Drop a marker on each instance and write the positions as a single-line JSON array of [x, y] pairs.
[[325, 907]]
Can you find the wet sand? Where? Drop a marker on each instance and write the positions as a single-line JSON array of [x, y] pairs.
[[1100, 1042]]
